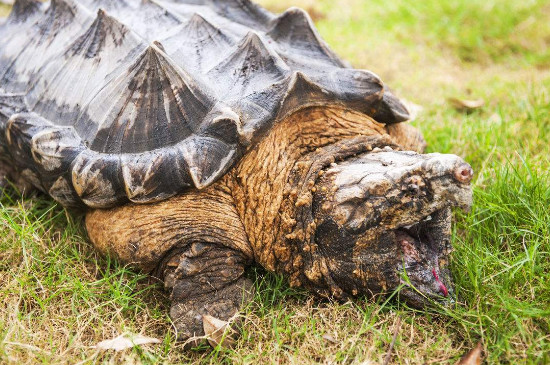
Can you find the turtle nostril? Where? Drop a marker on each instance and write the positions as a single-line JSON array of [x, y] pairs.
[[464, 173]]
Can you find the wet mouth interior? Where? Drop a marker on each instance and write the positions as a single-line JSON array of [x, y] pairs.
[[423, 243]]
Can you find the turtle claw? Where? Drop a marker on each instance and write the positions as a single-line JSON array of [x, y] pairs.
[[212, 316], [208, 290]]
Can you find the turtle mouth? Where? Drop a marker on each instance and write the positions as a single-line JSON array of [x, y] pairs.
[[424, 248]]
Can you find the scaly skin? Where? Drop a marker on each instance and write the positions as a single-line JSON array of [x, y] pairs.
[[289, 205]]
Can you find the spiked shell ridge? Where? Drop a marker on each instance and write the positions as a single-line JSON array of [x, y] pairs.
[[108, 101]]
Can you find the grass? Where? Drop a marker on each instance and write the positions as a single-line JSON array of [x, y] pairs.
[[58, 297]]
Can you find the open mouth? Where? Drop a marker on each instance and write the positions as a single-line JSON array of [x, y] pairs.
[[425, 248]]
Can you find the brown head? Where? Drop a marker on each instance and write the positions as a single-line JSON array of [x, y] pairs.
[[383, 221], [326, 202]]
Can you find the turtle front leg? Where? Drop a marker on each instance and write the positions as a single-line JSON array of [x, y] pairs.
[[208, 288], [195, 243]]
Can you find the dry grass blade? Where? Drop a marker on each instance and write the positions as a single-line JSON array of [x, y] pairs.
[[329, 338], [396, 328]]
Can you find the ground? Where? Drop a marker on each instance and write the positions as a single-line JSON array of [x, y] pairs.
[[58, 297]]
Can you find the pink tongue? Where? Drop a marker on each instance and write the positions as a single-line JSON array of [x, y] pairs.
[[442, 286]]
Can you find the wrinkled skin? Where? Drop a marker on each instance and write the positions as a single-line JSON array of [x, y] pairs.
[[325, 199], [391, 214]]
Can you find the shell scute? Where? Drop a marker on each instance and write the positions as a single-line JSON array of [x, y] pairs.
[[154, 176], [62, 191], [22, 10], [86, 66], [153, 104], [34, 43], [197, 44], [293, 30], [96, 181], [52, 148], [10, 104], [207, 158], [252, 66]]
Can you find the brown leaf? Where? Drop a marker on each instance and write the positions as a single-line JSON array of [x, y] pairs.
[[473, 357], [466, 105], [125, 341], [329, 338], [218, 331]]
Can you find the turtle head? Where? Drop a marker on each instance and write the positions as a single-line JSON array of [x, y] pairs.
[[383, 222]]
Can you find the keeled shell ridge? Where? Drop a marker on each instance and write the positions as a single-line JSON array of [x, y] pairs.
[[110, 101]]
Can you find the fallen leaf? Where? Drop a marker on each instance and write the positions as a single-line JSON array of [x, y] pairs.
[[329, 338], [473, 357], [125, 341], [462, 104], [217, 331]]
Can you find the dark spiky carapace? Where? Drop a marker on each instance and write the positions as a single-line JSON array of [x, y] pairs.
[[108, 101]]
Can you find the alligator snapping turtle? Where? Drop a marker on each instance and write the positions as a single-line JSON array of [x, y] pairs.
[[202, 136]]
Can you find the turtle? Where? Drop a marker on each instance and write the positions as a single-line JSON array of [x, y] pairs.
[[201, 137]]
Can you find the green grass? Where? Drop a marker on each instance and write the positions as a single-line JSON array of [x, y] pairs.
[[58, 297], [502, 265], [475, 31]]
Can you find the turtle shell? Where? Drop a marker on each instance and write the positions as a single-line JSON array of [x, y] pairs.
[[108, 101]]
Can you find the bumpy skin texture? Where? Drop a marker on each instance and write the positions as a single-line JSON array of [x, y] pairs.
[[195, 243], [323, 199], [372, 206]]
